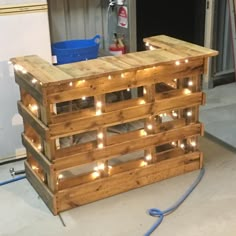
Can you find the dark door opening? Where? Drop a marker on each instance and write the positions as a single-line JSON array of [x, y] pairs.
[[182, 19]]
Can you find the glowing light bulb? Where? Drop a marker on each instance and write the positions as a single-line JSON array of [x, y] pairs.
[[186, 61], [39, 147], [33, 107], [189, 113], [187, 91], [98, 112], [143, 133], [173, 143], [143, 163], [174, 114], [190, 83], [151, 48], [142, 102], [193, 144], [109, 77], [122, 75], [128, 89], [101, 166], [99, 104], [84, 98], [70, 84], [60, 176], [144, 91], [182, 145], [177, 63], [149, 127], [34, 81], [100, 135], [148, 157], [95, 175], [161, 115], [100, 145]]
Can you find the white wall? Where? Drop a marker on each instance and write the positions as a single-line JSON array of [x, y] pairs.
[[23, 34]]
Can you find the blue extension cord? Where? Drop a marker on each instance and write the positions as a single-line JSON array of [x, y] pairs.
[[12, 180], [160, 214]]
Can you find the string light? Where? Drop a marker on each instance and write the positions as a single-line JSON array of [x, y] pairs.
[[177, 63], [190, 83], [186, 61], [109, 77], [143, 163], [182, 145], [144, 91], [149, 127], [189, 113], [193, 144], [143, 132], [122, 75], [84, 98], [60, 176], [39, 147], [70, 84], [99, 104], [174, 114], [100, 167], [148, 157], [95, 174], [128, 89], [35, 168], [142, 102], [100, 145], [187, 91], [100, 135], [33, 108], [173, 143], [98, 112], [34, 81]]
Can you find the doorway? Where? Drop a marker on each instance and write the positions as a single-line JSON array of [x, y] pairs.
[[181, 19]]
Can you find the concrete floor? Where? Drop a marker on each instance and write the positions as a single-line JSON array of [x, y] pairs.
[[219, 113], [210, 210]]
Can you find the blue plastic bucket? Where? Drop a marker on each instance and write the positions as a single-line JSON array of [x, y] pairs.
[[76, 50]]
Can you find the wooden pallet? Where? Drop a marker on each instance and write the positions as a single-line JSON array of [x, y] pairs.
[[88, 137]]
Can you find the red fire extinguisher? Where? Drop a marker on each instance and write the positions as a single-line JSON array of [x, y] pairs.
[[118, 47]]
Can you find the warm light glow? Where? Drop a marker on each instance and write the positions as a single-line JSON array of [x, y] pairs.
[[189, 113], [144, 91], [177, 63], [35, 168], [128, 89], [147, 44], [174, 114], [148, 157], [142, 102], [187, 91], [143, 132], [34, 81], [24, 71], [193, 143], [161, 115], [60, 176], [98, 112], [190, 83], [70, 84], [100, 145], [182, 145], [95, 174], [40, 83], [39, 147], [186, 61], [143, 163], [122, 75], [83, 98], [152, 48], [99, 104], [173, 143], [149, 127], [100, 135], [109, 77], [33, 107], [175, 80], [99, 167]]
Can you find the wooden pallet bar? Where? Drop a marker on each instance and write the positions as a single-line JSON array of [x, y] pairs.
[[88, 136]]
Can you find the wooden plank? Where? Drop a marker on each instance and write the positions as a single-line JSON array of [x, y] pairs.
[[41, 189], [103, 188], [102, 84], [123, 148], [180, 47], [38, 156], [138, 112], [127, 166], [40, 69], [28, 87], [35, 123]]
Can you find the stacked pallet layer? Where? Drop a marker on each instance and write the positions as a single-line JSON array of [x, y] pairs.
[[97, 128]]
